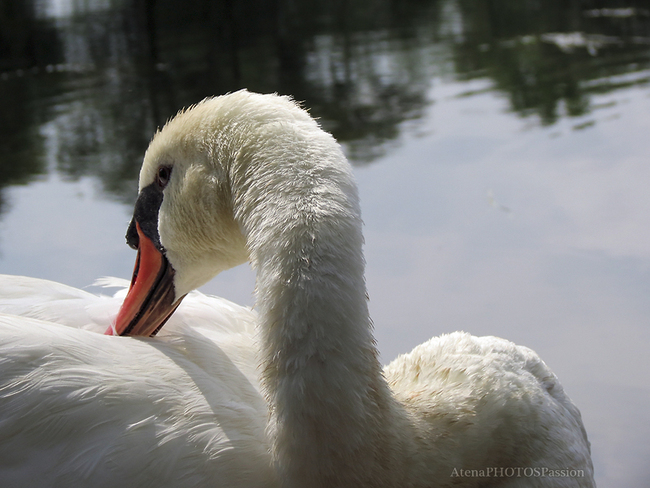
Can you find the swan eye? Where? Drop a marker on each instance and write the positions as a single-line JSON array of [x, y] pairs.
[[163, 175]]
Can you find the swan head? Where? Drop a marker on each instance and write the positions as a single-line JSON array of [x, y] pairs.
[[193, 217]]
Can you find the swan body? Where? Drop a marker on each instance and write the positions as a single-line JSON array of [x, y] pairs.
[[78, 408], [290, 395]]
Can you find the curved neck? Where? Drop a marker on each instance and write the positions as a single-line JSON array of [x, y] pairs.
[[333, 419]]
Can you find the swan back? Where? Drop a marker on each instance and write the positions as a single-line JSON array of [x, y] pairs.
[[484, 402], [80, 408]]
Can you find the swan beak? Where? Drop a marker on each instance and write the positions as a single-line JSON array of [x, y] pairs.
[[151, 299]]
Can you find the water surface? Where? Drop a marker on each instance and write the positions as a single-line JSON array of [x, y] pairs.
[[501, 149]]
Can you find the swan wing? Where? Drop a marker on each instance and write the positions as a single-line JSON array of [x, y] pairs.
[[79, 408], [54, 302], [489, 403], [220, 321]]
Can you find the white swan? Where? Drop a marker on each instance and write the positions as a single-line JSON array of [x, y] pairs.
[[292, 396]]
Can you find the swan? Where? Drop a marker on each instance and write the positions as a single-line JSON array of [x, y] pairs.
[[291, 394]]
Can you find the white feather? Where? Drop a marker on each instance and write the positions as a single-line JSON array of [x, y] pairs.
[[78, 407]]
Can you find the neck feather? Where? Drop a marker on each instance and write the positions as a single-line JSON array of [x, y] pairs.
[[333, 419]]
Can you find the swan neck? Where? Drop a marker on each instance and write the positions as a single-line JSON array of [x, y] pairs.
[[328, 400]]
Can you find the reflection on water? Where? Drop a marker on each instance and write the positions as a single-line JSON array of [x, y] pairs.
[[107, 73], [420, 85]]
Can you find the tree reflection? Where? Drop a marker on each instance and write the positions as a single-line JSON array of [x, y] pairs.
[[328, 54], [544, 54], [92, 86]]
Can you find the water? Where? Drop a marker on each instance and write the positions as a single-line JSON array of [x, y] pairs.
[[501, 150]]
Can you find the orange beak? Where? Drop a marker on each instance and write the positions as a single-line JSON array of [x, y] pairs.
[[151, 299]]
